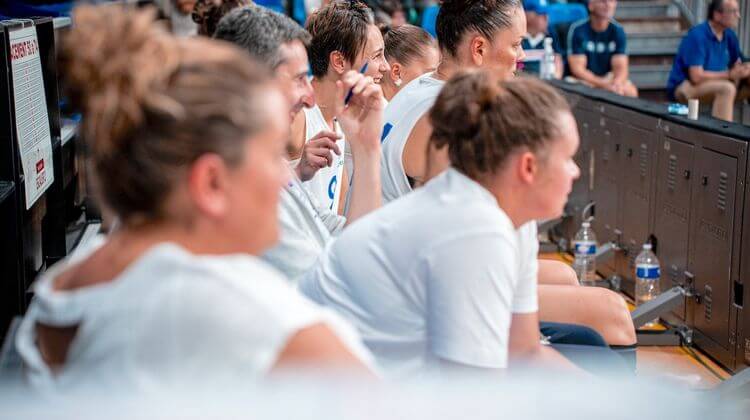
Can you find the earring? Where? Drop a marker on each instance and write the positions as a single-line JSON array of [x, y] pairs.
[[397, 82]]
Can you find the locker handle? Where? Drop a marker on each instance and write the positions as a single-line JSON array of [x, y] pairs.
[[687, 174], [630, 152], [617, 147], [704, 181]]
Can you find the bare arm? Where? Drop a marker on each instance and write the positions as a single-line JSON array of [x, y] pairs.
[[578, 68], [317, 347], [362, 122], [698, 75], [414, 157], [559, 66], [619, 69]]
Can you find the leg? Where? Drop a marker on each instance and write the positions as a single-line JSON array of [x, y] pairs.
[[720, 92], [556, 273], [595, 307], [630, 90]]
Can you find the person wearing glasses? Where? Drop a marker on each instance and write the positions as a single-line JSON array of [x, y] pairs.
[[709, 65], [597, 50]]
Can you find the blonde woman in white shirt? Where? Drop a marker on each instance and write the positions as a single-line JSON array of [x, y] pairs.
[[187, 151]]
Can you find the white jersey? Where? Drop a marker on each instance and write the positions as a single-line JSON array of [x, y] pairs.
[[325, 186], [418, 293], [401, 114], [172, 318]]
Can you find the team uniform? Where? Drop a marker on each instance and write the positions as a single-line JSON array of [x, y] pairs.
[[325, 186]]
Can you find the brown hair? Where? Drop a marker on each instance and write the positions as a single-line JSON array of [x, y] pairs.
[[407, 42], [340, 26], [208, 13], [152, 104], [483, 120]]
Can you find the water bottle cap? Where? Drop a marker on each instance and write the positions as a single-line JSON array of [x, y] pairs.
[[586, 224], [647, 246]]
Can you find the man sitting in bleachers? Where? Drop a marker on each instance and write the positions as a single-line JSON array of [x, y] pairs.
[[709, 64], [597, 50], [533, 42]]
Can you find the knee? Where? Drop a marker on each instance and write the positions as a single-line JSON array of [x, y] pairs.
[[726, 89], [620, 324]]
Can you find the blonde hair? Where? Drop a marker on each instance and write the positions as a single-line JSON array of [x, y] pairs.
[[152, 103]]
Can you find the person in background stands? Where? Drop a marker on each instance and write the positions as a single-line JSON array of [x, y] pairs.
[[537, 24], [709, 64], [411, 52], [597, 50]]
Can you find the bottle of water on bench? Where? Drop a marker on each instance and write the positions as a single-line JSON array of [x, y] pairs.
[[647, 275], [547, 65], [584, 250]]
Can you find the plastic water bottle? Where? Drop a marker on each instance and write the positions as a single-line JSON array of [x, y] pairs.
[[647, 274], [584, 250], [547, 66]]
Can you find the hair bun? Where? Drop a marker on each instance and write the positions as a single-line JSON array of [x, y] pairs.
[[115, 61]]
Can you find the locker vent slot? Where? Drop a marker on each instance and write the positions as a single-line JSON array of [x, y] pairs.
[[707, 303], [722, 198], [671, 172], [643, 160]]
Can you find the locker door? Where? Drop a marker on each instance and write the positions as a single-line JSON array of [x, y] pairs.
[[711, 246], [638, 157], [674, 178], [606, 182]]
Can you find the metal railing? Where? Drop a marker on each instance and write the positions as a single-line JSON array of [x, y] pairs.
[[693, 10]]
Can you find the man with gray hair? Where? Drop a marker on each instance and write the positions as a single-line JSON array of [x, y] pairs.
[[306, 225]]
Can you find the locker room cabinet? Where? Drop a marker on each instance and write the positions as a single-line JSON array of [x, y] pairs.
[[673, 180]]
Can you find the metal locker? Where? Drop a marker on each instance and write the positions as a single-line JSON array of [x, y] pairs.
[[673, 178], [711, 250], [638, 160], [606, 181]]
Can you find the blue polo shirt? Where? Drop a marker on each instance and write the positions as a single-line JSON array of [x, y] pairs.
[[700, 47], [598, 47]]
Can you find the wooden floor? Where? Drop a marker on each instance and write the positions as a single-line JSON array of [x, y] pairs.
[[673, 363]]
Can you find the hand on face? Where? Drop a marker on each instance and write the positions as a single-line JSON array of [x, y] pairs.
[[362, 119], [316, 154]]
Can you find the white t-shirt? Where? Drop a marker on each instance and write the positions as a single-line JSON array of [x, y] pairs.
[[325, 185], [306, 228], [172, 317], [401, 115], [434, 275]]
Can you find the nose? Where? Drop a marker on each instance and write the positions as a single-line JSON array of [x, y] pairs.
[[308, 96], [384, 66]]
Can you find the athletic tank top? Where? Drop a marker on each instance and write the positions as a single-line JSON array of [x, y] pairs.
[[325, 186], [401, 114]]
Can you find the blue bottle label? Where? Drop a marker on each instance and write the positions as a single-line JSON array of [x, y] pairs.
[[647, 272], [584, 248]]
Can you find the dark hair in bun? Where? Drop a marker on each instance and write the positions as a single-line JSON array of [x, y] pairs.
[[483, 120], [457, 17]]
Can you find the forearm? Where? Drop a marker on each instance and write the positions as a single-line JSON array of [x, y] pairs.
[[587, 76], [365, 186], [706, 75], [619, 75]]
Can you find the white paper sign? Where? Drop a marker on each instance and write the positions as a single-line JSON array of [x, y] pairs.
[[32, 121]]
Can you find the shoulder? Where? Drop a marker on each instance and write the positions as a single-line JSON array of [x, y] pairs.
[[580, 27], [617, 28]]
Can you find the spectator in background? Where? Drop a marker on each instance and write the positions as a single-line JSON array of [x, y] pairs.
[[179, 14], [411, 52], [208, 13], [537, 25], [597, 50], [709, 64]]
